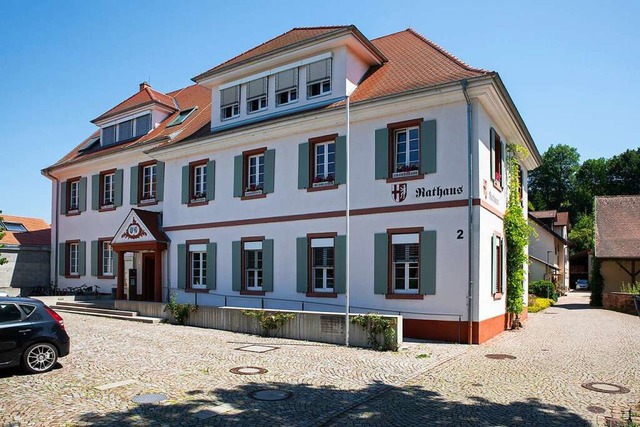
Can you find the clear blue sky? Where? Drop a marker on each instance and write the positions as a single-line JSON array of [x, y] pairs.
[[570, 66]]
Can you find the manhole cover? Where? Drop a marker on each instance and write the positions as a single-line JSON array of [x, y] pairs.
[[500, 356], [269, 395], [596, 409], [150, 398], [257, 348], [248, 370], [606, 388]]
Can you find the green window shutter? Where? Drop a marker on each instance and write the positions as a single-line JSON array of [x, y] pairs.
[[82, 258], [82, 194], [341, 160], [494, 265], [428, 147], [62, 253], [267, 265], [381, 263], [503, 146], [182, 266], [492, 149], [236, 265], [269, 170], [133, 194], [340, 264], [302, 265], [63, 198], [303, 165], [211, 265], [428, 262], [95, 262], [160, 181], [186, 184], [211, 180], [237, 177], [382, 153], [117, 188], [95, 192]]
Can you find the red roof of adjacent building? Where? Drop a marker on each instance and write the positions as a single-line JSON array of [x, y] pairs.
[[617, 227], [146, 96], [38, 232]]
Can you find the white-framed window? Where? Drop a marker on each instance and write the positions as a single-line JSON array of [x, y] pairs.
[[74, 195], [407, 151], [322, 264], [286, 87], [319, 78], [74, 259], [497, 158], [497, 264], [230, 102], [108, 191], [198, 265], [325, 162], [405, 260], [107, 258], [257, 95], [255, 173], [253, 266], [149, 182], [199, 174]]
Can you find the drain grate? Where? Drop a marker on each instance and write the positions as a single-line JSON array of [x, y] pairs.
[[149, 398], [257, 348], [498, 356], [606, 388], [248, 370], [596, 409], [270, 395]]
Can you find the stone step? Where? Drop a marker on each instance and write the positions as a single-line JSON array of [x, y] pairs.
[[96, 304], [88, 309], [140, 319]]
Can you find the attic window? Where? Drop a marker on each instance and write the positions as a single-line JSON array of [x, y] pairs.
[[230, 102], [181, 117], [126, 130], [14, 227]]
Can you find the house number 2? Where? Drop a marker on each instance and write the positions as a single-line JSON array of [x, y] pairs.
[[460, 234]]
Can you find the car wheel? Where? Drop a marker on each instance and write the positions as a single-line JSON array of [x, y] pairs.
[[40, 357]]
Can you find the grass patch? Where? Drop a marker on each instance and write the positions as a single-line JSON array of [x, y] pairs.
[[423, 356], [539, 304]]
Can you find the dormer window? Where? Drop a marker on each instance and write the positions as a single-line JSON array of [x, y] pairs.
[[257, 95], [287, 87], [181, 117], [319, 78], [126, 130], [230, 102]]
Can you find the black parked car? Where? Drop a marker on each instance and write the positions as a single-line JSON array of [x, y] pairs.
[[31, 335]]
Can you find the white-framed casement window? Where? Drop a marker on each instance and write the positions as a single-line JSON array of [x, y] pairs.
[[74, 195], [497, 158], [324, 163], [149, 182], [322, 264], [286, 87], [74, 259], [497, 264], [405, 260], [255, 174], [257, 95], [199, 174], [406, 149], [108, 191], [230, 102], [253, 266], [198, 266], [107, 258], [319, 78]]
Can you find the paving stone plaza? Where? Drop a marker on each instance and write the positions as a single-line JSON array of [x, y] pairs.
[[124, 373]]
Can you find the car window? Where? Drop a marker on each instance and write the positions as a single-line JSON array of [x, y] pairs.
[[9, 313], [28, 309]]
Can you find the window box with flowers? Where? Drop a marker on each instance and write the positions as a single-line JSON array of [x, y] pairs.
[[323, 181], [199, 198], [407, 170], [253, 190]]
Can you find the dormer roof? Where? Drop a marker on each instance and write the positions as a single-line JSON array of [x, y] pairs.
[[145, 96]]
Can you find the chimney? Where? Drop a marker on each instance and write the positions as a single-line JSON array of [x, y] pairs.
[[144, 85]]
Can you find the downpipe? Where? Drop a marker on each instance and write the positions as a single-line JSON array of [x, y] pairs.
[[464, 84], [54, 213]]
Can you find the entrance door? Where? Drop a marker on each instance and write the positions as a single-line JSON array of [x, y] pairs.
[[148, 276]]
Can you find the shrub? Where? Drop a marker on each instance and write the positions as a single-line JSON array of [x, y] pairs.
[[542, 288], [180, 312], [539, 304], [269, 321], [375, 324], [631, 288]]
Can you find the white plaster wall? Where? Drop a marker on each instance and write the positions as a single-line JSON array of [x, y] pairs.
[[483, 124], [542, 241], [488, 307]]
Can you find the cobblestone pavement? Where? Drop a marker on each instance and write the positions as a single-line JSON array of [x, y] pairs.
[[556, 352], [427, 384]]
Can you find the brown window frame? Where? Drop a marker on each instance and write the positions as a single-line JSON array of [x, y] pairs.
[[390, 288], [243, 277], [101, 274], [151, 200], [496, 155], [393, 128], [312, 161], [76, 210], [193, 200], [311, 292], [101, 205], [188, 284], [67, 259], [245, 172], [499, 267]]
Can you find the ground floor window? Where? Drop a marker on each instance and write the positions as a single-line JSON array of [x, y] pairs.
[[107, 258], [497, 265], [198, 266], [405, 253], [322, 264], [253, 266]]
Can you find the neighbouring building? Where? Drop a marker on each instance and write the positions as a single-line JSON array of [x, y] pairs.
[[233, 191], [549, 248], [27, 247]]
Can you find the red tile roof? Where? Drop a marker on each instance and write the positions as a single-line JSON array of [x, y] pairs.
[[38, 232], [153, 222], [617, 227], [145, 96]]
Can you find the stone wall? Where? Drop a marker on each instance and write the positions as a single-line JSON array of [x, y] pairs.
[[618, 301], [27, 267]]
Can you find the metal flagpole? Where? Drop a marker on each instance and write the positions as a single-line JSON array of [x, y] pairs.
[[348, 235]]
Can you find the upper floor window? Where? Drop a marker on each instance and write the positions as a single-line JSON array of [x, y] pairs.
[[286, 87], [406, 262], [199, 181], [149, 183], [319, 78], [74, 195], [126, 130], [324, 163], [108, 189], [255, 174], [230, 102], [497, 158], [257, 95], [406, 145]]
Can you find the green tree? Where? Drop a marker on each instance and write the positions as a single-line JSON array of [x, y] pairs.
[[592, 179], [2, 228], [552, 184], [624, 173], [581, 235]]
